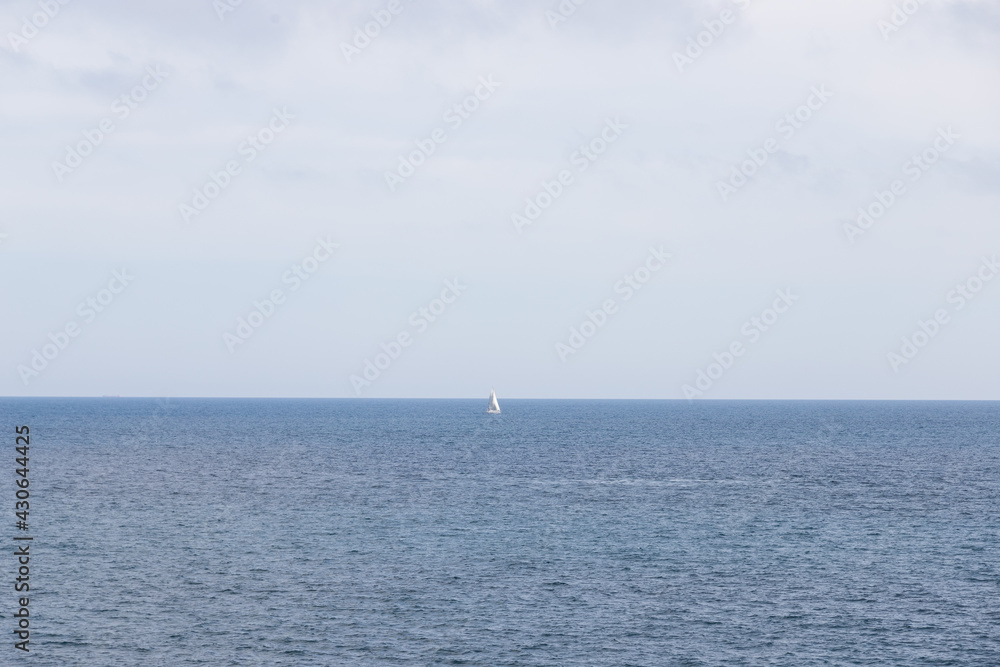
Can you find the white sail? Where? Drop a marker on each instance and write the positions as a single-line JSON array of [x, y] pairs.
[[493, 408]]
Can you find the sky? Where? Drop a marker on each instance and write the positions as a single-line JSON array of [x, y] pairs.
[[763, 199]]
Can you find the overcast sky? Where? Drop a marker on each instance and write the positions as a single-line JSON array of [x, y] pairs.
[[824, 104]]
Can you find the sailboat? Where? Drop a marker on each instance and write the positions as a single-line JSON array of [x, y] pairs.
[[493, 408]]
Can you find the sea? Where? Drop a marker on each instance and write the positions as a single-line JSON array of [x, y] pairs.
[[557, 533]]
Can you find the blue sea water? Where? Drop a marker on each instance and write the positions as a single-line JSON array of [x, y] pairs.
[[563, 533]]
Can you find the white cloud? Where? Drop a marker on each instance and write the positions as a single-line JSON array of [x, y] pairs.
[[325, 175]]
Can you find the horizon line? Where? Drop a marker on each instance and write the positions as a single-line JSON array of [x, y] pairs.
[[466, 398]]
